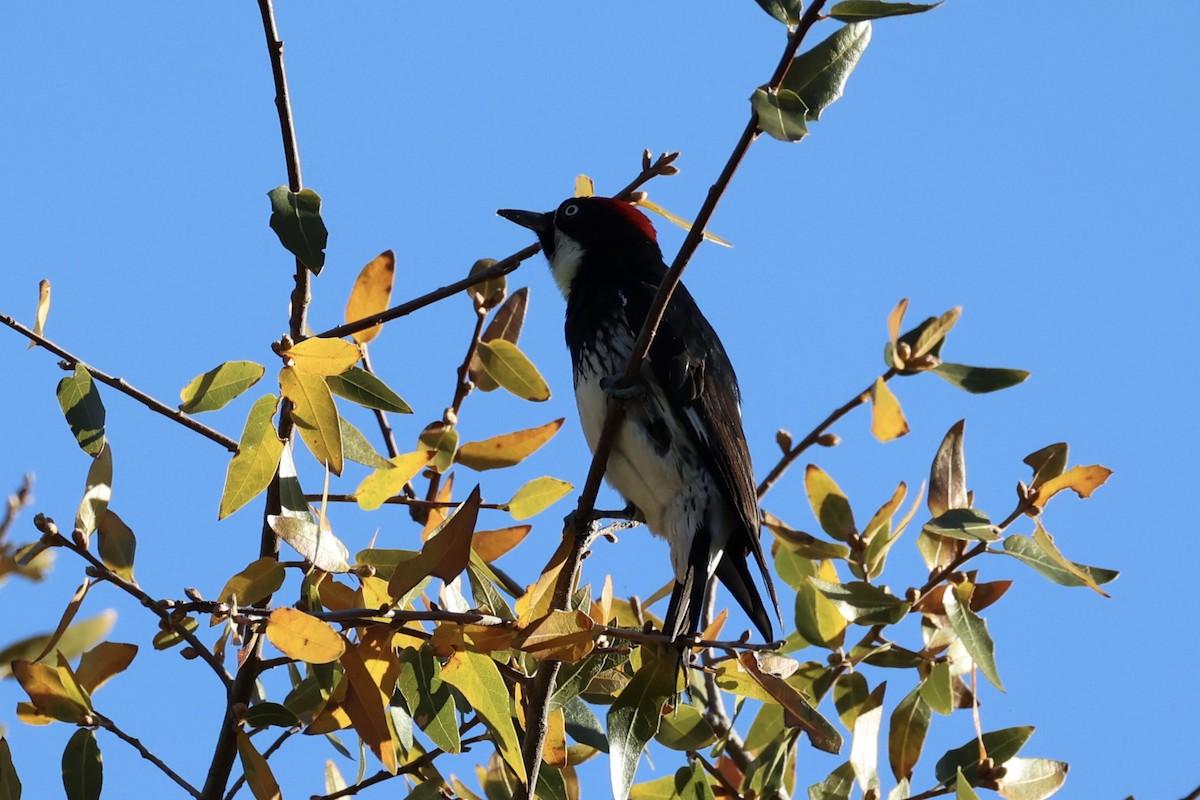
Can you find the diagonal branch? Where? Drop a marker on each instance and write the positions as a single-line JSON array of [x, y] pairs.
[[122, 386]]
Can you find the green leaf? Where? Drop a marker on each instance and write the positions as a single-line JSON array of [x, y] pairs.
[[906, 733], [818, 619], [117, 545], [513, 370], [786, 11], [96, 493], [258, 581], [574, 678], [82, 766], [686, 729], [296, 220], [969, 524], [536, 496], [635, 716], [962, 788], [442, 440], [1046, 542], [849, 694], [979, 380], [81, 405], [10, 782], [428, 698], [781, 114], [256, 460], [1026, 549], [864, 603], [478, 678], [315, 415], [356, 447], [829, 504], [818, 76], [948, 473], [220, 385], [937, 689], [1031, 778], [837, 786], [361, 387], [1001, 745], [1047, 463], [859, 10], [269, 715], [972, 630]]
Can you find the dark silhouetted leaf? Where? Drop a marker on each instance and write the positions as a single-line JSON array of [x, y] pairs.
[[979, 380], [117, 545], [1001, 745], [80, 402], [948, 473], [82, 766], [859, 10], [296, 220]]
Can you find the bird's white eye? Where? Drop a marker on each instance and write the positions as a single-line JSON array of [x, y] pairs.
[[570, 210]]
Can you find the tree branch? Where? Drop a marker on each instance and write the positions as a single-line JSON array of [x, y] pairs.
[[275, 745], [110, 726], [124, 387]]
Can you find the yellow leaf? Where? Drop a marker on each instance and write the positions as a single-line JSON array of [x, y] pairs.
[[43, 310], [258, 580], [257, 458], [554, 746], [442, 439], [365, 705], [446, 553], [315, 414], [259, 777], [304, 637], [489, 638], [895, 320], [559, 636], [67, 618], [96, 494], [678, 220], [478, 678], [490, 545], [371, 293], [584, 187], [887, 418], [216, 388], [384, 483], [508, 449], [1080, 479], [602, 607], [535, 603], [439, 514], [323, 357], [44, 686], [1045, 541], [102, 662], [829, 503], [536, 496], [513, 370]]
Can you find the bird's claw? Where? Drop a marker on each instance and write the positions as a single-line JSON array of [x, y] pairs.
[[611, 386]]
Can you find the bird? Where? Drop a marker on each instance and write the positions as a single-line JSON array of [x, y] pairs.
[[680, 457]]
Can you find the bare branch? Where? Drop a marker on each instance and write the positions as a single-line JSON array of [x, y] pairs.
[[110, 726]]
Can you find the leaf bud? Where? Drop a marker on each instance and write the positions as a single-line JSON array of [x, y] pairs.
[[646, 156], [829, 440], [957, 578], [783, 438], [92, 572], [668, 169], [903, 351], [189, 653], [365, 570], [637, 197], [193, 595], [88, 721], [912, 595], [450, 417]]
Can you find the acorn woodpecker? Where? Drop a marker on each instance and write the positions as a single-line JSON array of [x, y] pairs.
[[680, 456]]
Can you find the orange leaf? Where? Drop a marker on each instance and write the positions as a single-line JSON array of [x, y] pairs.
[[259, 777], [304, 637], [508, 449], [365, 705], [887, 418], [490, 545], [446, 553], [371, 293], [560, 636], [1081, 480], [46, 692]]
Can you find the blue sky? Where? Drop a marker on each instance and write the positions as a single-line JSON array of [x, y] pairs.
[[1028, 161]]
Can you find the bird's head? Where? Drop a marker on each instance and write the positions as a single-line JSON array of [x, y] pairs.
[[594, 236]]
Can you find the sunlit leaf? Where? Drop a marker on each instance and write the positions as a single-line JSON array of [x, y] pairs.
[[71, 643], [315, 415], [1047, 463], [634, 717], [445, 554], [356, 448], [506, 324], [508, 449], [323, 357], [973, 632], [80, 402], [979, 380], [858, 10], [933, 334], [258, 773], [371, 293], [536, 496], [829, 504], [334, 782], [887, 418], [82, 766], [296, 220], [1031, 778], [304, 637], [584, 186], [906, 733], [786, 11], [219, 386], [513, 370], [675, 219], [863, 603], [962, 788], [491, 545], [361, 387], [864, 747], [818, 76], [166, 639], [479, 680], [560, 635], [257, 458], [1081, 480], [46, 691], [96, 493], [39, 328], [818, 620], [801, 543], [969, 524], [316, 544], [384, 483], [1026, 549], [798, 711], [117, 544], [103, 662]]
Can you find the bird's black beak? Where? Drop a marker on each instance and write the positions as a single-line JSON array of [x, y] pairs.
[[536, 221]]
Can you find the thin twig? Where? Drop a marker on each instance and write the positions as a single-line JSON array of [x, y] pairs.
[[16, 501], [808, 441], [51, 534], [415, 765], [730, 789], [385, 426], [121, 385], [531, 750], [110, 726], [275, 745], [400, 501]]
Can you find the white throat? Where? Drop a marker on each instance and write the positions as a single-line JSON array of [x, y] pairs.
[[565, 264]]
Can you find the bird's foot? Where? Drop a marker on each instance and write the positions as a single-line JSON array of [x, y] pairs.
[[612, 387]]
